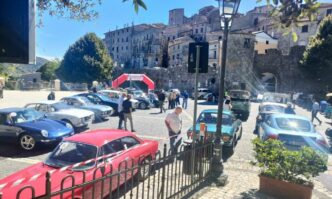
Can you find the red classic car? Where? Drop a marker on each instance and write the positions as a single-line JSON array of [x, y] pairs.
[[80, 159]]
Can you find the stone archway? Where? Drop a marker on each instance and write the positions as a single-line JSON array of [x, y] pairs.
[[269, 81]]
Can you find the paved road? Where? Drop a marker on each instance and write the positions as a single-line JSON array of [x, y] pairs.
[[149, 124]]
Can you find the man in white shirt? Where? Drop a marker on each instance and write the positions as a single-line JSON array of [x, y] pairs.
[[173, 123], [314, 111]]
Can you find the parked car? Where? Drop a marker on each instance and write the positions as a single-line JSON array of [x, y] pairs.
[[277, 97], [211, 97], [241, 106], [113, 146], [28, 128], [101, 112], [231, 127], [56, 110], [153, 100], [115, 96], [101, 99], [140, 96], [201, 93], [265, 109], [293, 130]]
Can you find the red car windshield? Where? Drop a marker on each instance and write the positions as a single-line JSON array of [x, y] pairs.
[[70, 153]]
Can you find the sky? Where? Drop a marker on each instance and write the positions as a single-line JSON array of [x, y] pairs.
[[57, 34]]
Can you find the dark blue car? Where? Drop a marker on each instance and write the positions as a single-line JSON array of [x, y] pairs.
[[28, 128], [101, 99]]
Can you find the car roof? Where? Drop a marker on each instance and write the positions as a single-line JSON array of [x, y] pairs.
[[273, 104], [289, 116], [10, 110], [99, 137], [110, 91], [227, 112], [48, 102]]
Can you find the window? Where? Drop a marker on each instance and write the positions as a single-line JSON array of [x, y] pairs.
[[115, 146], [126, 47], [202, 30], [173, 57], [173, 37], [129, 142], [117, 49], [127, 39], [267, 42], [178, 46], [3, 119], [256, 22], [196, 31], [328, 12], [113, 49], [215, 54], [305, 28], [246, 43], [168, 38], [263, 28], [265, 51]]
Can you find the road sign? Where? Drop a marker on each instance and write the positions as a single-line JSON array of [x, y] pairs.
[[203, 57]]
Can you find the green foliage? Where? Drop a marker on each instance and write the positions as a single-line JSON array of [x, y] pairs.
[[48, 70], [86, 60], [79, 10], [280, 163], [317, 59]]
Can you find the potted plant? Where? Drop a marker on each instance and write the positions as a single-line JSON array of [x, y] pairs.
[[285, 173]]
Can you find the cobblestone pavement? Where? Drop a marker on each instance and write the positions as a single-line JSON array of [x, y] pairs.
[[243, 177]]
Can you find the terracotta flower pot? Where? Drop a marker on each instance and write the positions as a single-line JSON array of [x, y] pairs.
[[282, 189]]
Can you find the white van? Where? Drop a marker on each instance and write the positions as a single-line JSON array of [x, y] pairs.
[[201, 93]]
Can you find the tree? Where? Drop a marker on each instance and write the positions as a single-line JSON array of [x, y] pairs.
[[76, 9], [317, 59], [48, 70], [86, 60]]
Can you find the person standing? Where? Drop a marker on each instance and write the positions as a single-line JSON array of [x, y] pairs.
[[120, 110], [51, 96], [161, 99], [185, 100], [177, 97], [1, 90], [289, 109], [173, 94], [173, 123], [227, 104], [314, 111], [127, 110]]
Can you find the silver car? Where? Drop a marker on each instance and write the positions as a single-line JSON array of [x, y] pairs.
[[101, 112], [56, 110]]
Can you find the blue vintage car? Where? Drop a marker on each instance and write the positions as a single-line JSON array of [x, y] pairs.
[[28, 127], [231, 127], [293, 130]]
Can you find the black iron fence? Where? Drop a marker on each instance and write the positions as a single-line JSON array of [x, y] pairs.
[[165, 176]]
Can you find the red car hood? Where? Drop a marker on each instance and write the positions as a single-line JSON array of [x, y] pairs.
[[35, 176]]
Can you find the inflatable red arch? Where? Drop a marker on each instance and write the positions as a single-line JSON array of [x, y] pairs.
[[133, 77]]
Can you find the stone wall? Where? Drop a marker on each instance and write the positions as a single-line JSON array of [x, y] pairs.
[[286, 68]]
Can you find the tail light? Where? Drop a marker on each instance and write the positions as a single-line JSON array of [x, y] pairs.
[[322, 142], [272, 136]]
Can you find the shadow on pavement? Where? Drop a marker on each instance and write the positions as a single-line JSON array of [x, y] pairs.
[[206, 103], [254, 194], [157, 113], [226, 154], [9, 150]]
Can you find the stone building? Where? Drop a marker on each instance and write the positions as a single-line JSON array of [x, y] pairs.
[[264, 41], [259, 19], [136, 45]]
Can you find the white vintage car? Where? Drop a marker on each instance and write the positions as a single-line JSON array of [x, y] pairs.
[[56, 110]]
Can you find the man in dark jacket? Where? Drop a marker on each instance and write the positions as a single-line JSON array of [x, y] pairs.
[[161, 99], [51, 96], [289, 109], [127, 110]]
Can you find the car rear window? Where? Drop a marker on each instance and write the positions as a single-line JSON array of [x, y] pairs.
[[293, 124]]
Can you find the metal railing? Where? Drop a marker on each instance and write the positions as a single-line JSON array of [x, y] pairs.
[[164, 176]]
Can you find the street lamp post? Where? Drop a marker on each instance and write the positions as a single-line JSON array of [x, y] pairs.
[[228, 8]]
